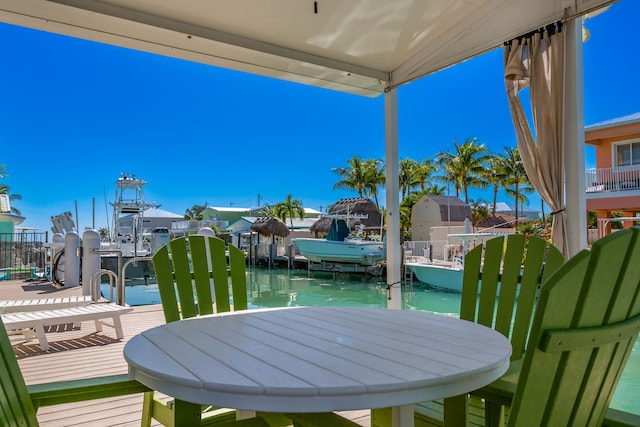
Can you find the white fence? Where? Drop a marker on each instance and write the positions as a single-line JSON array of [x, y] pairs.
[[613, 179], [433, 249]]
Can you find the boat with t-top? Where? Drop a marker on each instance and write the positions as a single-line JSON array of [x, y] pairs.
[[126, 240], [341, 246]]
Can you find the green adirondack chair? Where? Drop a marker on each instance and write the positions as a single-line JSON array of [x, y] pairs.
[[192, 273], [509, 278], [511, 273], [19, 402], [586, 322]]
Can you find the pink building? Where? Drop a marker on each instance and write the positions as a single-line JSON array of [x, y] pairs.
[[614, 186]]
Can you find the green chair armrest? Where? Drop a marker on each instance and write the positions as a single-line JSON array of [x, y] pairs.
[[48, 394], [250, 422], [501, 392], [616, 418], [320, 419]]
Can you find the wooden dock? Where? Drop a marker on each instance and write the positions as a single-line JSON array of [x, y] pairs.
[[83, 353]]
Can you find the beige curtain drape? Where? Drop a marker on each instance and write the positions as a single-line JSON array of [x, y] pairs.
[[537, 60]]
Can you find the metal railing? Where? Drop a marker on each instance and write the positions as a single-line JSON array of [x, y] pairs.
[[613, 179], [432, 249], [22, 255]]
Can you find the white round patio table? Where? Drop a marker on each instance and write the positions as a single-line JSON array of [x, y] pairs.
[[317, 359]]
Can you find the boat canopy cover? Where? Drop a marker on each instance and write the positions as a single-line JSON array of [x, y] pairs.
[[338, 230]]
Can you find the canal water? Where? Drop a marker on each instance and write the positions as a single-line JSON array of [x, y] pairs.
[[288, 288]]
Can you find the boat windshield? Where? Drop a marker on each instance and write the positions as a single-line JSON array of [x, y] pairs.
[[338, 230]]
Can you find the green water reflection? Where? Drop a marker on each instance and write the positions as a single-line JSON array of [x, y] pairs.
[[281, 288]]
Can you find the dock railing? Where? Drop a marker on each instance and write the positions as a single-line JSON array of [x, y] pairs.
[[23, 255], [430, 249]]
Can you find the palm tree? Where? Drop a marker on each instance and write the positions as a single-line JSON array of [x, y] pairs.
[[434, 189], [450, 177], [354, 177], [405, 223], [516, 181], [195, 212], [464, 166], [494, 174], [290, 208], [425, 170], [267, 212], [409, 176], [479, 210], [4, 189], [104, 234], [374, 178]]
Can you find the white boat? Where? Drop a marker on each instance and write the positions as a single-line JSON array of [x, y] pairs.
[[438, 274], [126, 234], [445, 273], [340, 247]]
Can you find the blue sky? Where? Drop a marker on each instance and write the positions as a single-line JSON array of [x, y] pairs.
[[75, 114]]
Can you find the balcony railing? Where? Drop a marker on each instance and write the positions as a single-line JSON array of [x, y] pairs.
[[613, 179]]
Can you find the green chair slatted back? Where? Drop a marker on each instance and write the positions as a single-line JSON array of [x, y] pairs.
[[192, 271], [16, 408], [512, 275], [586, 322]]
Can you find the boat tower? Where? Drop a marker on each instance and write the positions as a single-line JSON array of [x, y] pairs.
[[128, 215]]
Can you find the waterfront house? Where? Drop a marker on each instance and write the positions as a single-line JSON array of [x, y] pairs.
[[8, 220], [437, 211], [613, 186], [151, 218], [223, 217]]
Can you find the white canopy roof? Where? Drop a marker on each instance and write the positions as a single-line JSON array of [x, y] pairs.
[[355, 46], [363, 47]]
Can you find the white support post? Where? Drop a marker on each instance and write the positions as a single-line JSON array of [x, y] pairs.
[[575, 182], [394, 279], [71, 259]]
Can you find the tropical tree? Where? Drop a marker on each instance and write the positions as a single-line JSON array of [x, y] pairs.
[[104, 234], [405, 223], [425, 171], [195, 212], [479, 210], [4, 189], [434, 189], [406, 207], [267, 212], [464, 166], [374, 178], [290, 208], [354, 177], [516, 182], [409, 171], [495, 174]]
